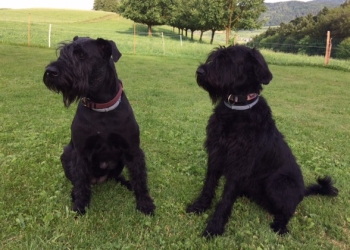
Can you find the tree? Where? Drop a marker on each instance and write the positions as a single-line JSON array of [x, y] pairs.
[[150, 12], [175, 15], [185, 15], [346, 3], [106, 5], [308, 33], [343, 49], [242, 14], [212, 16], [335, 20]]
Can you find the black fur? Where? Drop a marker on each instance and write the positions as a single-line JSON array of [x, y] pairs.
[[101, 143], [245, 147]]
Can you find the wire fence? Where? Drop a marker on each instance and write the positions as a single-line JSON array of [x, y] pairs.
[[137, 41], [128, 41]]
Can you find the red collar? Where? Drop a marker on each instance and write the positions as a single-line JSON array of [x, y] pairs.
[[103, 106]]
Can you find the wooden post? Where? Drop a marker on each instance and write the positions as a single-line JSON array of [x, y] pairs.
[[134, 38], [235, 39], [29, 29], [326, 59], [329, 50]]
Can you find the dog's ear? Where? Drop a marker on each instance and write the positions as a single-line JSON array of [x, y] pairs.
[[261, 69], [109, 49], [75, 38], [115, 52]]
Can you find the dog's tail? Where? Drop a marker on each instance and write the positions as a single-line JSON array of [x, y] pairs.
[[324, 187]]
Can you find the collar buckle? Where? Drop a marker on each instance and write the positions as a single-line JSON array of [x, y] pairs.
[[85, 101]]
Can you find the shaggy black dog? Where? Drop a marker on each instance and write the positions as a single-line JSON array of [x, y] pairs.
[[104, 134], [244, 145]]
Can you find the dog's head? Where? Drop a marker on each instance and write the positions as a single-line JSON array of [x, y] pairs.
[[233, 70], [82, 67]]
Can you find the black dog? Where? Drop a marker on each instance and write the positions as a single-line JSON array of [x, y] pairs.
[[104, 132], [244, 145]]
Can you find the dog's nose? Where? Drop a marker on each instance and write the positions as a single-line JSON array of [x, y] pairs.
[[52, 71], [200, 71]]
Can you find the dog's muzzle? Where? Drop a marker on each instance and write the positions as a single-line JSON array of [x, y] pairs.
[[52, 71], [200, 71]]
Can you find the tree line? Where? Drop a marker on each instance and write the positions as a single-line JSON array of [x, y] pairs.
[[307, 34], [283, 12], [190, 15]]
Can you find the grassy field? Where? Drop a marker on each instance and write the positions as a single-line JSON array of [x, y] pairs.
[[309, 104], [65, 24]]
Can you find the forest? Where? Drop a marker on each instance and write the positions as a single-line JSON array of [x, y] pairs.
[[192, 15], [274, 14], [307, 34], [284, 12]]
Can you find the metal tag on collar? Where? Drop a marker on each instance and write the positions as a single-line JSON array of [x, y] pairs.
[[232, 99], [85, 101]]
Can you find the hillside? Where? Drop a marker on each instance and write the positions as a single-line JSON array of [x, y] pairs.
[[286, 11]]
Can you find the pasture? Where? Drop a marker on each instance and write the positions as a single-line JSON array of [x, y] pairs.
[[309, 103]]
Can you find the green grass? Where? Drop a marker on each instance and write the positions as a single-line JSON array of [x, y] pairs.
[[309, 104]]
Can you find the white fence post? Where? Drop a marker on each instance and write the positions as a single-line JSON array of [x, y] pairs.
[[50, 35], [163, 43], [181, 40]]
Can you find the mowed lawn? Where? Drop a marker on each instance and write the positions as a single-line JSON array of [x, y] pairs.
[[310, 105]]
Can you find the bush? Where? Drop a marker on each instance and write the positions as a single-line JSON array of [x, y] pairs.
[[343, 49], [289, 45], [271, 42]]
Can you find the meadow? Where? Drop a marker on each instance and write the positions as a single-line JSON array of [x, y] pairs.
[[309, 103]]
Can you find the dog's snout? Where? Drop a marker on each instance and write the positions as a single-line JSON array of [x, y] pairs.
[[200, 71], [52, 71]]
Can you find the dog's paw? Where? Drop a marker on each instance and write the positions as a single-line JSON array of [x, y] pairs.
[[79, 210], [146, 207], [196, 208], [127, 184], [280, 230], [80, 207], [211, 232], [123, 182]]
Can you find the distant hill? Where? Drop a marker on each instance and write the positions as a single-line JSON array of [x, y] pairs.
[[284, 12]]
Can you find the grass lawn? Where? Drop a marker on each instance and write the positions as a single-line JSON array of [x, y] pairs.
[[309, 102], [310, 108]]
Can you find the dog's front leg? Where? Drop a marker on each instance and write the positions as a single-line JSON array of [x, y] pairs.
[[138, 179], [213, 175], [216, 225], [81, 193]]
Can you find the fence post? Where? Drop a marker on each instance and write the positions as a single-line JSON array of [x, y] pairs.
[[29, 29], [50, 35], [235, 39], [134, 38], [181, 40], [163, 43], [328, 48]]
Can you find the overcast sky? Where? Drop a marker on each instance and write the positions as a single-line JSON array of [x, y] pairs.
[[66, 4], [56, 4]]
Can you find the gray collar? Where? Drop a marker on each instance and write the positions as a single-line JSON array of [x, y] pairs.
[[244, 107]]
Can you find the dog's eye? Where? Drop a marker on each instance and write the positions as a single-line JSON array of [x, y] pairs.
[[80, 54]]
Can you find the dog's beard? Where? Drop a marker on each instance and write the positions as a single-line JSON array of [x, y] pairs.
[[211, 85], [69, 84]]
